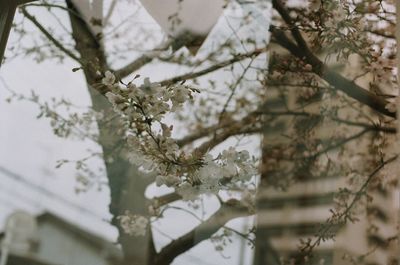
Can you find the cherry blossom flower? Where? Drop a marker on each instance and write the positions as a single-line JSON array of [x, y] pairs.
[[134, 225]]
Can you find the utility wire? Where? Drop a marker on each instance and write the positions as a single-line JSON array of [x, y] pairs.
[[47, 193]]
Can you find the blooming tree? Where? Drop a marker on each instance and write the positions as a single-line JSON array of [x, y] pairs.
[[330, 65]]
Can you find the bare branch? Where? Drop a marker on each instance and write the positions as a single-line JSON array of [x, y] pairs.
[[198, 134], [233, 126], [229, 210], [371, 127], [341, 218], [214, 67], [136, 64], [166, 199], [49, 36], [382, 33], [109, 12], [44, 4], [145, 59], [219, 138]]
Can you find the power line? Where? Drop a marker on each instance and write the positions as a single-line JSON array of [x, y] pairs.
[[47, 193]]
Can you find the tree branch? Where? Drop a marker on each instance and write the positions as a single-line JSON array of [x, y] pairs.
[[371, 127], [219, 138], [166, 199], [301, 51], [382, 33], [341, 218], [47, 5], [232, 128], [136, 64], [198, 134], [229, 210], [247, 125], [50, 37], [213, 68], [146, 58]]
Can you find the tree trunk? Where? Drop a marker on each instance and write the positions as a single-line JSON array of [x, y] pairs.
[[7, 11], [126, 184]]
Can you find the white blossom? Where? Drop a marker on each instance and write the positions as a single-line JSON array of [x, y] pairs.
[[393, 106], [108, 79], [188, 192], [168, 180], [180, 95], [248, 200], [190, 174], [134, 225]]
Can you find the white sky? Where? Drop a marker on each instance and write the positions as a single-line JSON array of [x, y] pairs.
[[29, 149]]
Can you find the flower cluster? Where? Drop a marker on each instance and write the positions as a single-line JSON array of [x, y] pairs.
[[393, 106], [146, 103], [151, 147], [249, 200], [134, 225], [222, 239], [228, 168], [142, 109], [335, 26]]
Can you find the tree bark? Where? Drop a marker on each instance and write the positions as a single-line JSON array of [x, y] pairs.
[[127, 185], [7, 11]]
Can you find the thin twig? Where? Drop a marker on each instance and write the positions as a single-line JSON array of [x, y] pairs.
[[49, 36]]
